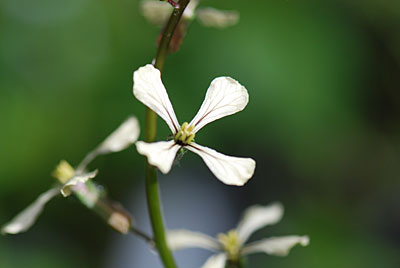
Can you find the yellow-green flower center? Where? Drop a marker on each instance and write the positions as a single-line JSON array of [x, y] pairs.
[[230, 243], [185, 135], [63, 172]]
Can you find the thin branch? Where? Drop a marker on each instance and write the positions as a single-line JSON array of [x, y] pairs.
[[152, 187]]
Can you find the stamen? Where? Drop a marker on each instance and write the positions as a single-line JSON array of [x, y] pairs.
[[185, 135], [63, 172], [231, 244]]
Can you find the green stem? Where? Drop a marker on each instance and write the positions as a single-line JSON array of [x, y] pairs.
[[152, 187], [234, 264], [168, 33]]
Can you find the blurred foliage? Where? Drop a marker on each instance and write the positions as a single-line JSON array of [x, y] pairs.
[[322, 122]]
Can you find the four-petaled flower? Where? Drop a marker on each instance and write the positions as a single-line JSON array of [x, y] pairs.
[[231, 246], [224, 97], [76, 181]]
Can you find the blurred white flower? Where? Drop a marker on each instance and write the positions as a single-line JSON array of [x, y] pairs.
[[71, 180], [212, 17], [230, 247], [224, 97], [158, 12]]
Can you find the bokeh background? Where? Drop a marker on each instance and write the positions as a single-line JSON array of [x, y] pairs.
[[322, 123]]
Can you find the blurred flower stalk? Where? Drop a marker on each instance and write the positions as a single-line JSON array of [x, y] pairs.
[[78, 182]]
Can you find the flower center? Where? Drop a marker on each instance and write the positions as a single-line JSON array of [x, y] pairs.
[[230, 243], [185, 135]]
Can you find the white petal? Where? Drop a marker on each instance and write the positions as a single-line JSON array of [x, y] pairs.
[[159, 154], [256, 217], [156, 12], [228, 169], [216, 261], [212, 17], [189, 12], [224, 97], [125, 135], [149, 89], [278, 246], [180, 239], [26, 218], [78, 178]]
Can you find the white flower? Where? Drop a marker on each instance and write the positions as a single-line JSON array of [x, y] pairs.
[[224, 97], [71, 180], [158, 12], [231, 246]]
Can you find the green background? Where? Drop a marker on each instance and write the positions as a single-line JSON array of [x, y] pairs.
[[322, 121]]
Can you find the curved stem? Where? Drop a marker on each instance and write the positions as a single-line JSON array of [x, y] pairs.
[[152, 187], [107, 209], [168, 33]]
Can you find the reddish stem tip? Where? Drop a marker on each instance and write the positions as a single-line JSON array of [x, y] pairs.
[[172, 2]]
